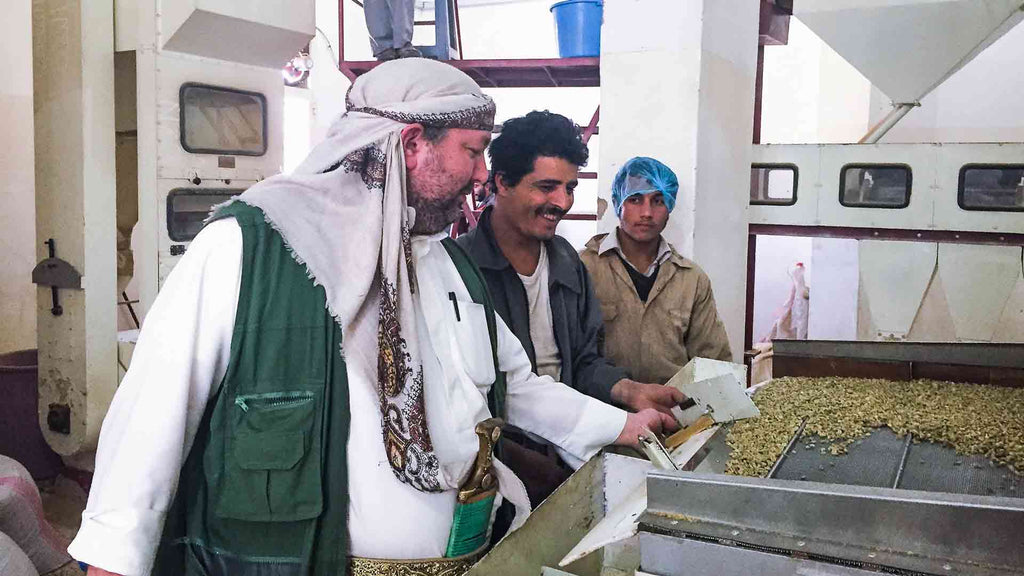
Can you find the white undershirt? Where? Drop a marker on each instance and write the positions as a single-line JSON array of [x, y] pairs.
[[542, 328], [183, 351]]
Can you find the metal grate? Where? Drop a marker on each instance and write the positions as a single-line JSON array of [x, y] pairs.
[[875, 461], [937, 468], [870, 461]]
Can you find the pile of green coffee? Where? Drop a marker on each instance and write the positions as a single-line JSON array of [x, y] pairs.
[[973, 419]]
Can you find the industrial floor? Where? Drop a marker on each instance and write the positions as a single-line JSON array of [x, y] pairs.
[[63, 502]]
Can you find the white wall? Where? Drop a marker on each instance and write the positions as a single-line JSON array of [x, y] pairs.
[[298, 122], [776, 256], [810, 93], [17, 199], [678, 85]]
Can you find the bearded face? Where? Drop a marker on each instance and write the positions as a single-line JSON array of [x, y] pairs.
[[447, 171]]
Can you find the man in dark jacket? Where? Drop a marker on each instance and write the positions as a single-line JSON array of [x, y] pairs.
[[539, 285]]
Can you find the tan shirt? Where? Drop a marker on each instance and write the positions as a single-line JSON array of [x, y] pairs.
[[654, 339], [611, 242]]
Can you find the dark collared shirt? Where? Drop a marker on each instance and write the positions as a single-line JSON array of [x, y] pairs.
[[575, 311]]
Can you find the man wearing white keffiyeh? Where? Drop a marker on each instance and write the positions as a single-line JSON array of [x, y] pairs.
[[363, 216]]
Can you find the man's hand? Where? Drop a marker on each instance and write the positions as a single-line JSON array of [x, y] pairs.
[[637, 422], [639, 396], [94, 571]]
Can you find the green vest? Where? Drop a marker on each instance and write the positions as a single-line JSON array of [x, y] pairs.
[[264, 489]]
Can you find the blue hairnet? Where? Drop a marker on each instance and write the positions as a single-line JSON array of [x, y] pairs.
[[643, 175]]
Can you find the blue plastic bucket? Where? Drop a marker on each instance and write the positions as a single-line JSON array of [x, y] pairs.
[[578, 23]]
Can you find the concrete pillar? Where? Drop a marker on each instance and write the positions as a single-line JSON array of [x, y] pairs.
[[17, 219], [73, 63], [677, 84]]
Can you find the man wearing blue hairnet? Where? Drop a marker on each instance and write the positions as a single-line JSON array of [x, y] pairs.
[[658, 308]]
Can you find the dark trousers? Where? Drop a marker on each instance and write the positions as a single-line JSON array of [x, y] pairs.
[[537, 465]]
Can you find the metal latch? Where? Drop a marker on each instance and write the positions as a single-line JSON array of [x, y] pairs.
[[56, 273]]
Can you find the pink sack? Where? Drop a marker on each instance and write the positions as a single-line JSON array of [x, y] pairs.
[[791, 318], [22, 519]]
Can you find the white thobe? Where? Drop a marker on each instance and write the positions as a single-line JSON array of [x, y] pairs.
[[182, 355]]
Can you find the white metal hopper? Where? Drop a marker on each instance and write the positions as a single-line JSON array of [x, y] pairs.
[[908, 47]]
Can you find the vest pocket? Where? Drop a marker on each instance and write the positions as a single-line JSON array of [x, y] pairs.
[[272, 468]]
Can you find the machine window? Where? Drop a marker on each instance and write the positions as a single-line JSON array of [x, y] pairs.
[[188, 208], [995, 187], [875, 185], [773, 184], [218, 120]]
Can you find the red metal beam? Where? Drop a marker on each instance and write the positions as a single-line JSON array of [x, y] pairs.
[[514, 73], [748, 324], [341, 36], [953, 236], [591, 128], [458, 28], [550, 77], [758, 94]]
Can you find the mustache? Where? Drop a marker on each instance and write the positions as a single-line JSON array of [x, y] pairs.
[[551, 211]]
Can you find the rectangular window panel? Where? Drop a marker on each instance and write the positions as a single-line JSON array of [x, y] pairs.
[[994, 187], [222, 120], [875, 185], [773, 184], [188, 208]]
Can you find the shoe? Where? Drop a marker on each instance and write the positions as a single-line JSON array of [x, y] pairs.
[[387, 54], [409, 51]]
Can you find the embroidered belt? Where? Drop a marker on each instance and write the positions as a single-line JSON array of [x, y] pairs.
[[431, 567]]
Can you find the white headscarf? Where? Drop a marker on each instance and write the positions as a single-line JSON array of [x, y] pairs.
[[349, 197]]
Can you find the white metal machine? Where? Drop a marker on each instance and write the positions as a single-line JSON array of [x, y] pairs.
[[938, 227], [176, 105], [939, 230]]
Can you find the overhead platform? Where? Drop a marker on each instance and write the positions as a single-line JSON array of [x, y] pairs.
[[520, 73]]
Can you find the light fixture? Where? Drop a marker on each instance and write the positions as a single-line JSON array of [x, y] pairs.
[[297, 69]]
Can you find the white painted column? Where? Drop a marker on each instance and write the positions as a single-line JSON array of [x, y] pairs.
[[73, 61], [17, 219], [677, 84]]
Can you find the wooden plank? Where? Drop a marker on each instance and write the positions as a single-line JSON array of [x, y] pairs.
[[844, 367]]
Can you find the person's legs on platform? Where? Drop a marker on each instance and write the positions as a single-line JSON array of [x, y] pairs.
[[402, 22], [378, 23]]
